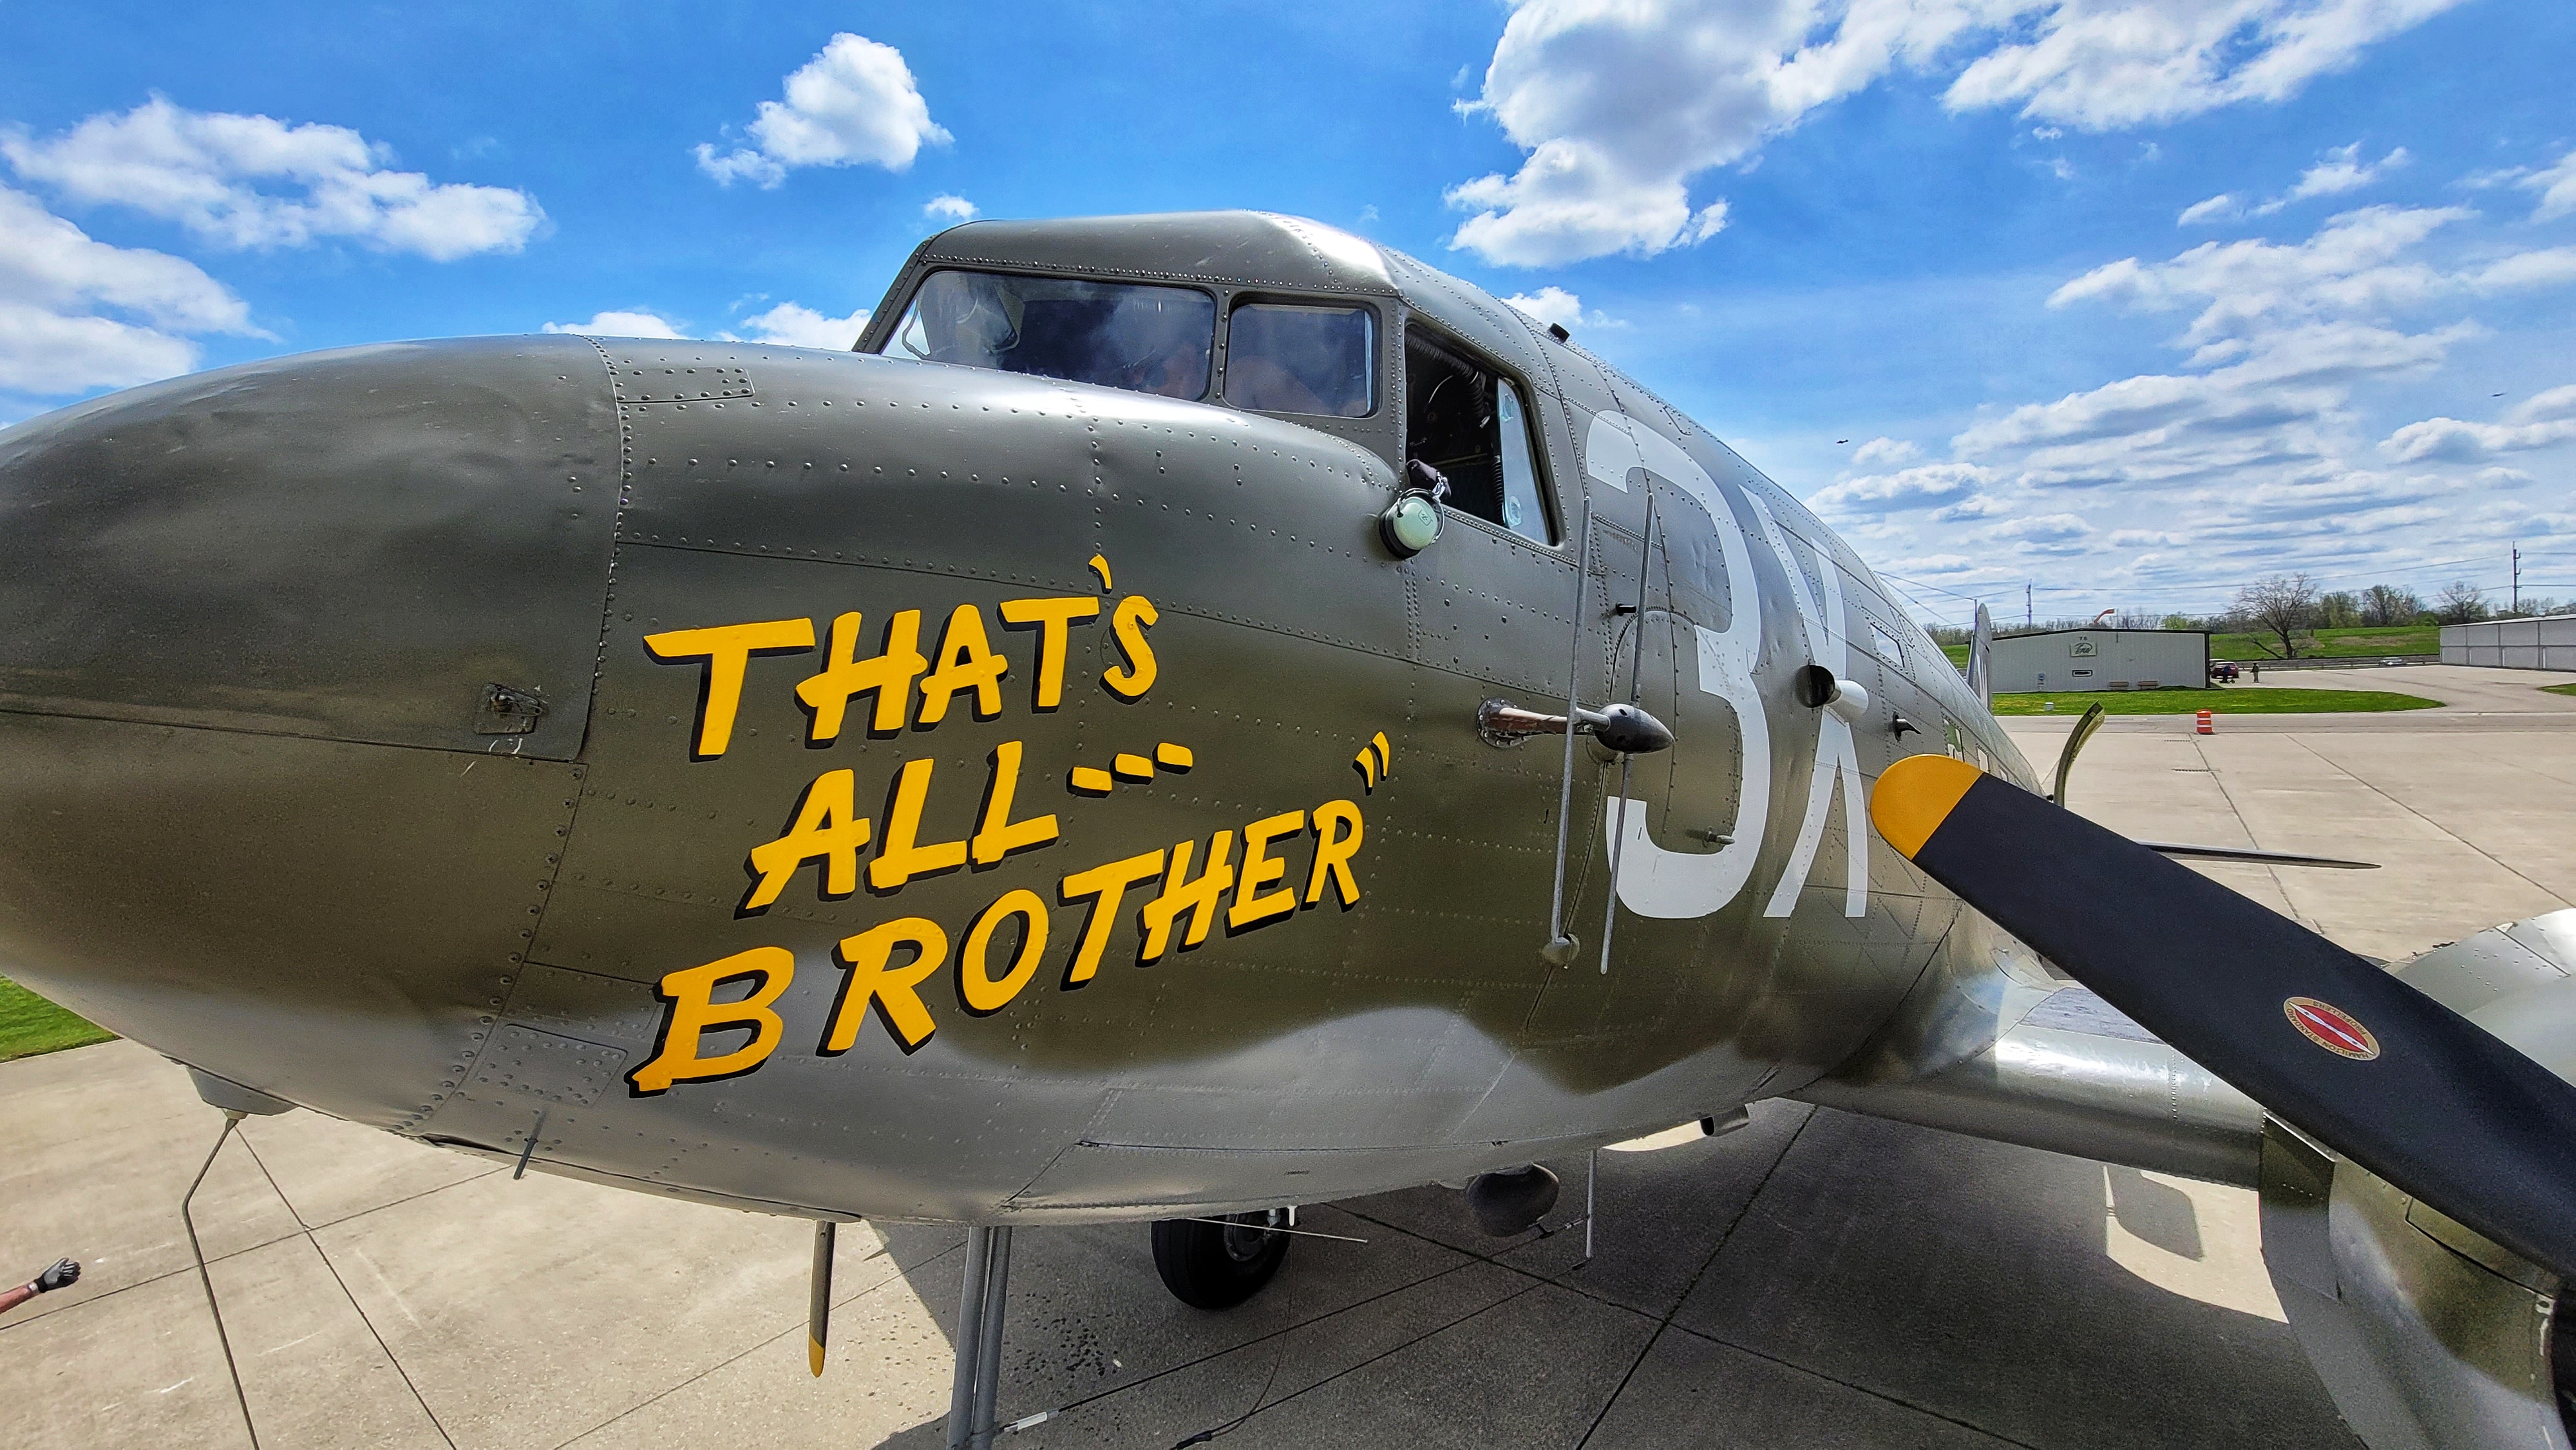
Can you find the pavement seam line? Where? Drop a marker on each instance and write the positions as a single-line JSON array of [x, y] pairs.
[[1692, 1287], [2346, 772], [2523, 766], [1470, 1260], [1383, 1355], [754, 1348], [2219, 779], [1285, 1329], [355, 1307], [1816, 1374], [19, 1321]]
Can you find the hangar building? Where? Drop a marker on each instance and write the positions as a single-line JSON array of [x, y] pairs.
[[2514, 644], [2101, 659]]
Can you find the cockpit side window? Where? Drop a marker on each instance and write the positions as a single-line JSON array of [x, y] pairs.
[[1145, 339], [1473, 424], [1300, 358]]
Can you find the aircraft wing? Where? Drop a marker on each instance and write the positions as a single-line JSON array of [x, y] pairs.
[[2411, 1132], [2328, 1042]]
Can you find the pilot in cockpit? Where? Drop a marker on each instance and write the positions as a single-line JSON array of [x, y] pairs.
[[1164, 343], [1146, 339]]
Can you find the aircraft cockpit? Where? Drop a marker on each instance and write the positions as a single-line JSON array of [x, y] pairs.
[[1255, 312]]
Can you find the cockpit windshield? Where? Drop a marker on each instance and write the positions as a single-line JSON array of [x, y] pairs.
[[1118, 335]]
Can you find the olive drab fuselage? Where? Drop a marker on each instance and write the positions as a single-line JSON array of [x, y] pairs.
[[845, 784]]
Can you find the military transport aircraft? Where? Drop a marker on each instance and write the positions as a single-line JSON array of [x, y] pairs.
[[1196, 715]]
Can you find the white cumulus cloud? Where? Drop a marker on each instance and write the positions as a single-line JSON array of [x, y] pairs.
[[77, 314], [257, 182], [2536, 422], [1618, 104], [2103, 64], [855, 103], [2557, 184], [2258, 445], [1912, 488], [1550, 304], [2358, 262], [2551, 267], [2217, 208], [793, 326], [620, 324], [1886, 450], [2340, 172], [788, 324], [2042, 529], [947, 207], [2343, 170]]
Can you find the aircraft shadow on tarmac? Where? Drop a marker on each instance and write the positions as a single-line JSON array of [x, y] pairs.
[[1815, 1277]]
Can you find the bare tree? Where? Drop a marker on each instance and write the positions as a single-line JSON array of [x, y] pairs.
[[2280, 605], [2388, 604], [2460, 602]]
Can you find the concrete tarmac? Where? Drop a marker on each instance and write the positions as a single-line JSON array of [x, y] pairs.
[[1814, 1279]]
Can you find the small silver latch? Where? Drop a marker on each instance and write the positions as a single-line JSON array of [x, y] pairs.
[[508, 711]]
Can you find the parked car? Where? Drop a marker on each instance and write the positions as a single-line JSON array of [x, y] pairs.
[[2222, 672], [2392, 660]]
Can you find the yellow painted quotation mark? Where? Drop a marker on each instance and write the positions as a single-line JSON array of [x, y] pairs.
[[1375, 761], [1092, 780]]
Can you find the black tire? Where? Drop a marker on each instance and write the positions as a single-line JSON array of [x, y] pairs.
[[1217, 1265]]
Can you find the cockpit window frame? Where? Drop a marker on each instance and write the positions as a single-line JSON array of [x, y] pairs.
[[1218, 297], [1238, 298], [1534, 401]]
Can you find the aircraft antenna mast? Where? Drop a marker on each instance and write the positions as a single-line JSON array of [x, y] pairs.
[[1627, 759], [1560, 947]]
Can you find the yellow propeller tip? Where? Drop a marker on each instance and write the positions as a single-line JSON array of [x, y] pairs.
[[1915, 796], [814, 1357]]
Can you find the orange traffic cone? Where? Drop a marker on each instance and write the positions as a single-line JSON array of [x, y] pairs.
[[2205, 727]]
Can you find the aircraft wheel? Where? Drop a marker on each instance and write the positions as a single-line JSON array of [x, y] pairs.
[[1217, 1265]]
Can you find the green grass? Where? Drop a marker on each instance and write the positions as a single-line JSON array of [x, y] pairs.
[[2560, 689], [2224, 702], [29, 1025], [2344, 644], [2362, 643]]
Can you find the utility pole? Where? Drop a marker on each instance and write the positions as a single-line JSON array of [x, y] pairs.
[[2025, 606], [2517, 577]]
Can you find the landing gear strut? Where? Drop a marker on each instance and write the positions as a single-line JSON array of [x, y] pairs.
[[971, 1409], [1219, 1263]]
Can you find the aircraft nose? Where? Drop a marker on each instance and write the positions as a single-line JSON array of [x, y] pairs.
[[295, 659]]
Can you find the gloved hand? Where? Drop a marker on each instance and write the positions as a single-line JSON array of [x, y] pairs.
[[63, 1274]]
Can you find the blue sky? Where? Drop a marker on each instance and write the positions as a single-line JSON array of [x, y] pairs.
[[2133, 299]]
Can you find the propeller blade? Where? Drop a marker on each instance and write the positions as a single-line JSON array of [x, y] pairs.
[[2325, 1041], [2249, 855], [818, 1313]]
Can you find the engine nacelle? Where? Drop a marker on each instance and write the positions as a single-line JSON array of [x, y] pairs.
[[2427, 1336]]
